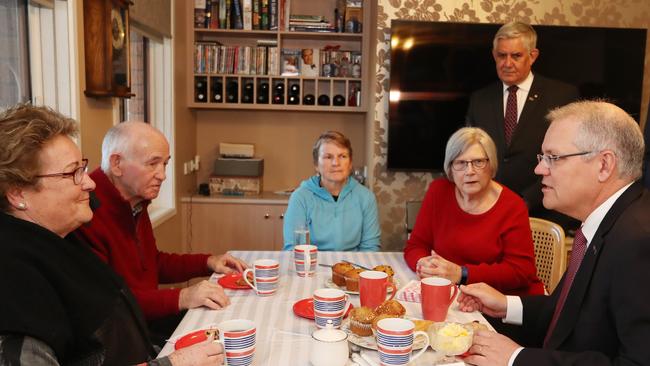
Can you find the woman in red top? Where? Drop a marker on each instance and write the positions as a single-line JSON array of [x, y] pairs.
[[470, 228]]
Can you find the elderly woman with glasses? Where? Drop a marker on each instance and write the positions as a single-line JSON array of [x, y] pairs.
[[61, 305], [470, 228]]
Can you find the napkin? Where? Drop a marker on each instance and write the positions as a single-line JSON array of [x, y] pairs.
[[410, 292]]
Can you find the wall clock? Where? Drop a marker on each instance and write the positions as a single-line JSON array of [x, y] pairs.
[[106, 43]]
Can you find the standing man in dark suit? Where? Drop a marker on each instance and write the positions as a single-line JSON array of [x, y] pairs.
[[599, 314], [512, 112]]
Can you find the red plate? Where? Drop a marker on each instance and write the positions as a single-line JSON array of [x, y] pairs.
[[230, 281], [305, 308], [190, 339]]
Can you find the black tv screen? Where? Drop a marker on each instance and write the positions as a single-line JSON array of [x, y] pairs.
[[430, 82]]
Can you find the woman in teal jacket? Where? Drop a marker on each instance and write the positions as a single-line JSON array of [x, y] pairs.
[[340, 213]]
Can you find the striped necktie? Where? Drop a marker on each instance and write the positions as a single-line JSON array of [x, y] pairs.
[[578, 252], [510, 119]]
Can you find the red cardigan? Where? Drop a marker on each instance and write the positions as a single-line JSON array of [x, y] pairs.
[[127, 244], [496, 246]]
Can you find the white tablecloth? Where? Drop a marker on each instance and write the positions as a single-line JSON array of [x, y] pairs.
[[282, 337]]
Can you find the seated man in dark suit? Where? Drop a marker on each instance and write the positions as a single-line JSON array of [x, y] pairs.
[[598, 313], [512, 112]]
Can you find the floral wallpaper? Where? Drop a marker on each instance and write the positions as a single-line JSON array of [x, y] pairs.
[[394, 189]]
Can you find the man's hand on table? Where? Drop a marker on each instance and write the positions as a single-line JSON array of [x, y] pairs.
[[490, 348], [204, 353], [481, 297], [226, 263], [203, 293]]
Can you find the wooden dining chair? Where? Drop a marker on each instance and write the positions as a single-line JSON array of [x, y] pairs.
[[550, 254]]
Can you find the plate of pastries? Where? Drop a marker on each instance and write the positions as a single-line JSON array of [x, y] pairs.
[[345, 276], [362, 324]]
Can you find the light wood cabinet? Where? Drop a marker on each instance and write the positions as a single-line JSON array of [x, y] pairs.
[[211, 87], [218, 224]]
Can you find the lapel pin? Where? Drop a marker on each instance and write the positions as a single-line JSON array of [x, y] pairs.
[[594, 249], [533, 97]]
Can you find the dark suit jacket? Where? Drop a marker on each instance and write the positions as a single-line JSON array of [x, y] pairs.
[[606, 316], [517, 162]]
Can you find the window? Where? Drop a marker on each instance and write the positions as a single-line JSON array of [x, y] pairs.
[[36, 60], [14, 58], [151, 82]]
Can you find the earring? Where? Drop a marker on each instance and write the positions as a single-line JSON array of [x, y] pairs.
[[22, 206]]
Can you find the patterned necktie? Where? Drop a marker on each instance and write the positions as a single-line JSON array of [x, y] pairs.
[[510, 120], [578, 252]]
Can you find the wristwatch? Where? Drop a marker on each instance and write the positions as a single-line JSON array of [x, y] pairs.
[[463, 275]]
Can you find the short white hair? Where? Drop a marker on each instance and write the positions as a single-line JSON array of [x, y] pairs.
[[120, 139], [604, 126], [461, 140]]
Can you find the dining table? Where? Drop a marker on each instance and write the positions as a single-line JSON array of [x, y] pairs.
[[283, 338]]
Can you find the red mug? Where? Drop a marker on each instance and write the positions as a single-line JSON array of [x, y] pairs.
[[437, 294], [373, 286]]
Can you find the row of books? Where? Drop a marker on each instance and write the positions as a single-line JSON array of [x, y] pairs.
[[241, 14], [325, 63], [310, 23], [214, 58]]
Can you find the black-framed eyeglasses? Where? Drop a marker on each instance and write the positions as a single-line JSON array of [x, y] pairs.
[[461, 165], [77, 174], [550, 159]]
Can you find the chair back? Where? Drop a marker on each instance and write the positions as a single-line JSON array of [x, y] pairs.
[[412, 209], [550, 253]]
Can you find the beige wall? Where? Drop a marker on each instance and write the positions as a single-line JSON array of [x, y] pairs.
[[283, 139], [393, 189], [168, 234]]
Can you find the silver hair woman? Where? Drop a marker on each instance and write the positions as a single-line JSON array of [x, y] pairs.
[[471, 228]]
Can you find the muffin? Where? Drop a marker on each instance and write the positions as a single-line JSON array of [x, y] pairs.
[[380, 317], [361, 321], [421, 324], [352, 279], [391, 307], [338, 272], [387, 270]]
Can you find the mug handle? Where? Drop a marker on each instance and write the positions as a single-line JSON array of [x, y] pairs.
[[223, 348], [347, 305], [453, 296], [307, 258], [390, 284], [420, 352], [246, 278]]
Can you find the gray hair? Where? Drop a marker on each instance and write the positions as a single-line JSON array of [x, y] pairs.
[[517, 30], [120, 140], [462, 139], [604, 126]]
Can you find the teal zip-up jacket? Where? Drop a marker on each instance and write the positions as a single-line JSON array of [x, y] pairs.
[[347, 224]]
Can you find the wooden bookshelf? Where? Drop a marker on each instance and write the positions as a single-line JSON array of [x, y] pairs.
[[235, 88]]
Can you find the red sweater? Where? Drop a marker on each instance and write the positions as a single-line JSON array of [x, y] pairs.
[[127, 244], [495, 246]]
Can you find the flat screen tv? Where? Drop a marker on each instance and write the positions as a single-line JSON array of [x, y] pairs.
[[447, 61]]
